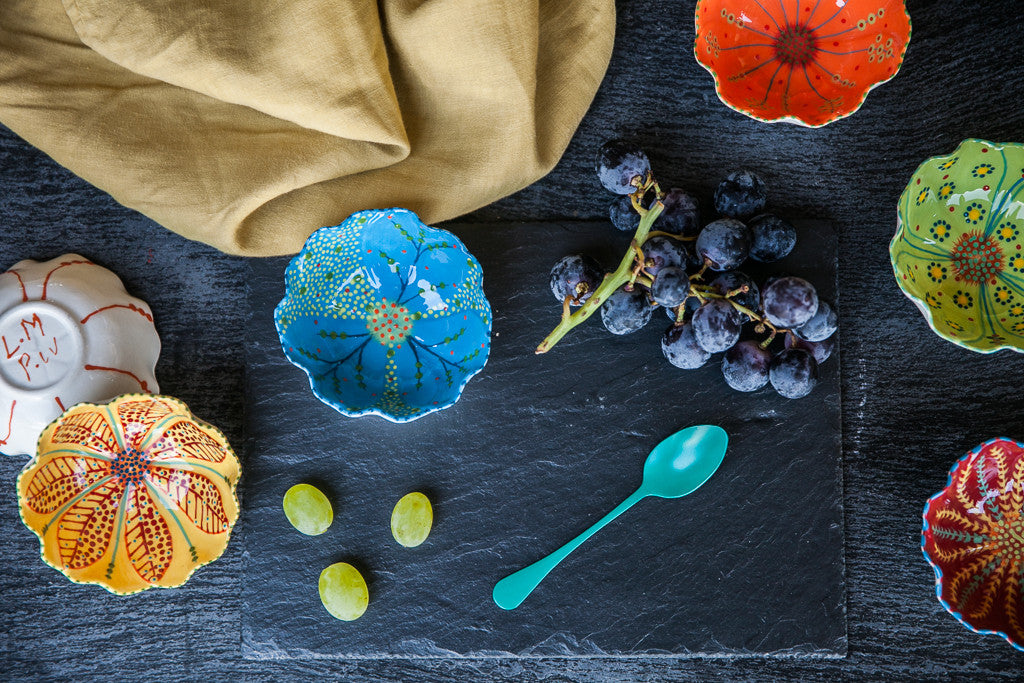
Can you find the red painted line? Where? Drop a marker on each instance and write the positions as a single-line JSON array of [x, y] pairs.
[[24, 293], [10, 421], [62, 408], [46, 282], [123, 372], [130, 307]]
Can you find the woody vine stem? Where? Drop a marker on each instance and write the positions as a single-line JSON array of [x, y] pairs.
[[632, 269]]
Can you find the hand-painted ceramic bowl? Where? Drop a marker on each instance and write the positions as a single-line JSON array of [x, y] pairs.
[[973, 537], [130, 494], [386, 315], [958, 252], [808, 62], [69, 332]]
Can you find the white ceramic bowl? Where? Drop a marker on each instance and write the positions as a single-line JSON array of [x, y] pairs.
[[69, 333]]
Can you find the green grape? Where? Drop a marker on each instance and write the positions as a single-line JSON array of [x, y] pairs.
[[411, 519], [343, 591], [308, 509]]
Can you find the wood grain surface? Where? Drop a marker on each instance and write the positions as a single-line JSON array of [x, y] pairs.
[[912, 403]]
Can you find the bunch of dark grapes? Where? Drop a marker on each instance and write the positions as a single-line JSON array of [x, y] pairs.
[[775, 334]]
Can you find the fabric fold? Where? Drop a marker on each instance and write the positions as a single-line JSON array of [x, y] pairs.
[[249, 125]]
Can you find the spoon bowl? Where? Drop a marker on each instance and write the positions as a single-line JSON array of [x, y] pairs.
[[680, 464]]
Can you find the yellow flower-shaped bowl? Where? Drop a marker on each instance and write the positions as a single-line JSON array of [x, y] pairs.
[[958, 252], [130, 494]]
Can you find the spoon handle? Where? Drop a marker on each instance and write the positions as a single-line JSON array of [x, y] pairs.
[[510, 592]]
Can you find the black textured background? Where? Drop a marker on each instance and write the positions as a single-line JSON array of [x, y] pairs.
[[537, 449], [912, 403]]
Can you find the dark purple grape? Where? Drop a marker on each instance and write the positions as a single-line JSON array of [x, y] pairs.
[[670, 287], [624, 312], [576, 276], [661, 252], [716, 326], [741, 195], [681, 215], [789, 302], [773, 238], [622, 214], [681, 348], [820, 350], [745, 366], [693, 262], [621, 166], [822, 325], [767, 282], [793, 373], [731, 281], [725, 243], [690, 306]]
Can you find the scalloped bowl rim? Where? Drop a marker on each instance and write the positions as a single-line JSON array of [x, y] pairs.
[[921, 306], [796, 120], [938, 570], [233, 487], [340, 406]]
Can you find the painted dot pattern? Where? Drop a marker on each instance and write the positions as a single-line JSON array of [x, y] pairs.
[[131, 467], [63, 480], [977, 259], [386, 315], [389, 323], [130, 494], [147, 537], [958, 248], [796, 61]]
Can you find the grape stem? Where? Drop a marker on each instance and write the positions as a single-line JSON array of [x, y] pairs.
[[761, 321], [672, 235], [703, 269], [566, 311], [641, 264], [704, 292], [771, 337], [613, 280]]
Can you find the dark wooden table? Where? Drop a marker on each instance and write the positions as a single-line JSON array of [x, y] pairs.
[[912, 402]]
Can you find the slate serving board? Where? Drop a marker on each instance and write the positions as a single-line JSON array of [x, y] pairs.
[[538, 448]]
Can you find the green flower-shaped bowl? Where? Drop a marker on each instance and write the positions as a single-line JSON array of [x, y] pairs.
[[958, 252]]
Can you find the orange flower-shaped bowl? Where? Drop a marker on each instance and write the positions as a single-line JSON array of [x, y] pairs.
[[809, 62], [130, 494], [973, 537]]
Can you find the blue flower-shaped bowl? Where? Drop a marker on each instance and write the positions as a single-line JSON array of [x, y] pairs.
[[386, 315]]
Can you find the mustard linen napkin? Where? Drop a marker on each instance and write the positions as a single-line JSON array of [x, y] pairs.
[[247, 125]]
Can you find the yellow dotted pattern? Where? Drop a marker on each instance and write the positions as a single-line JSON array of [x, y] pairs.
[[712, 45], [879, 51], [389, 323], [353, 272], [870, 19], [731, 18], [959, 211], [336, 277]]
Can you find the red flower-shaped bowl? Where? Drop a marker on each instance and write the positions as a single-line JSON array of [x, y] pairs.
[[809, 62], [973, 537]]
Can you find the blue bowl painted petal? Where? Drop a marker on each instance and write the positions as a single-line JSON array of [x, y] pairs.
[[386, 315]]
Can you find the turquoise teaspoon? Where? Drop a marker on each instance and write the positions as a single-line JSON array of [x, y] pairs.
[[676, 467]]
